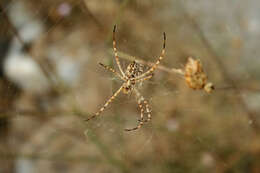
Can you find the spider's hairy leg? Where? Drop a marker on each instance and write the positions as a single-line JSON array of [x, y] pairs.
[[115, 51], [141, 99], [140, 124], [142, 109], [158, 61], [144, 78], [106, 104], [148, 111], [112, 70]]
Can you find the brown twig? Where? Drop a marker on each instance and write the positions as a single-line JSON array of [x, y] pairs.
[[90, 14], [148, 63]]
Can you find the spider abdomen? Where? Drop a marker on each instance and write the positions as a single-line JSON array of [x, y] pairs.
[[133, 70]]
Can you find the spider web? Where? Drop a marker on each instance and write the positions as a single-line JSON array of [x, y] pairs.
[[51, 82]]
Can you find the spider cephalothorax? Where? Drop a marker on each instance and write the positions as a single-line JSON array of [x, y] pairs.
[[133, 74]]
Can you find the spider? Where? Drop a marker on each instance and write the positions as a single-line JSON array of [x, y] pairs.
[[131, 77]]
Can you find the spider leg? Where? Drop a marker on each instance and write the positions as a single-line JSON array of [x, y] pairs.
[[140, 122], [142, 109], [148, 111], [106, 104], [112, 70], [157, 62], [144, 78], [115, 51]]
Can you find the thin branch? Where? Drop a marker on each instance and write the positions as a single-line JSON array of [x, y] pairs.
[[150, 64], [90, 14]]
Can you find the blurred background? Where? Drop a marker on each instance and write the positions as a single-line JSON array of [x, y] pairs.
[[50, 81]]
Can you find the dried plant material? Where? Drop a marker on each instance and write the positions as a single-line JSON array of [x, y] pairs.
[[133, 74], [195, 76]]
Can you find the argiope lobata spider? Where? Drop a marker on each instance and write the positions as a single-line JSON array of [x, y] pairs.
[[133, 75]]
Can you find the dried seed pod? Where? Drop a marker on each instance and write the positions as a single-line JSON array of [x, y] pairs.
[[195, 76]]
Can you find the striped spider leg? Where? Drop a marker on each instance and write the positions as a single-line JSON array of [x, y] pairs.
[[133, 75], [115, 52], [150, 71], [144, 108]]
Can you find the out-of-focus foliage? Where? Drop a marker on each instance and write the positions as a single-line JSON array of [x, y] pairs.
[[51, 82]]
